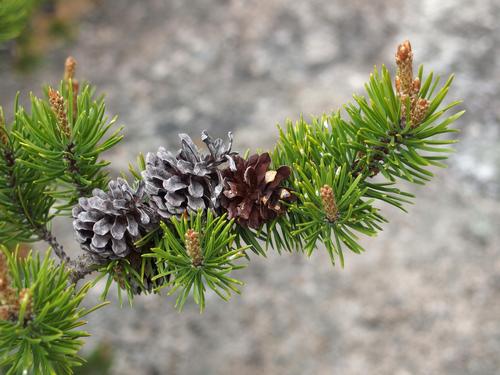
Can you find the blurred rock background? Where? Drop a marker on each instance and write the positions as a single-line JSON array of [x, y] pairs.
[[423, 299]]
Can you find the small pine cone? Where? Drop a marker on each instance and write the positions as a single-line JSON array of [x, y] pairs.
[[419, 111], [69, 74], [58, 107], [253, 195], [108, 223], [193, 247], [404, 61], [329, 203], [69, 68], [189, 181]]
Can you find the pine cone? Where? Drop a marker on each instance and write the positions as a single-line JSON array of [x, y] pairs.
[[108, 224], [188, 181], [253, 194]]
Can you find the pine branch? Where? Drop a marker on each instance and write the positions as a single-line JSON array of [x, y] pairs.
[[74, 171], [63, 138], [26, 222], [186, 219], [40, 313], [387, 133], [80, 267], [47, 236]]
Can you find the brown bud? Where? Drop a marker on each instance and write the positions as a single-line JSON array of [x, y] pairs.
[[329, 203], [404, 61], [69, 74], [397, 83], [416, 86], [419, 111], [69, 68], [193, 247], [58, 107], [404, 52]]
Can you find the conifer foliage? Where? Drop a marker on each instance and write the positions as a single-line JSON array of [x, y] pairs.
[[183, 222]]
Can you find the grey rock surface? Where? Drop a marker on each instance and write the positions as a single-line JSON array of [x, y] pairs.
[[423, 299]]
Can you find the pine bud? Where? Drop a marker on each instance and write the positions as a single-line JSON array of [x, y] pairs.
[[397, 83], [69, 74], [329, 204], [419, 111], [404, 61], [416, 86], [58, 107], [193, 247], [69, 68]]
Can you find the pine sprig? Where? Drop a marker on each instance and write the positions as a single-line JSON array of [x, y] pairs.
[[196, 253], [374, 139], [388, 144], [40, 331], [64, 146], [332, 213], [24, 204]]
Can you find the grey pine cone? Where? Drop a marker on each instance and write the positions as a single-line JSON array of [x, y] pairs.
[[189, 180], [108, 223]]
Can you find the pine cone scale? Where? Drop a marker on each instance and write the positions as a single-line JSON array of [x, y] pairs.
[[102, 226]]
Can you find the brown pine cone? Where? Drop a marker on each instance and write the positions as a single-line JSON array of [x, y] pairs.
[[252, 193]]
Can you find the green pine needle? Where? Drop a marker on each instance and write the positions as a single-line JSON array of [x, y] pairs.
[[44, 340]]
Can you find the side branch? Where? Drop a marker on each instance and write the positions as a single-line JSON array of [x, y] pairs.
[[47, 236], [370, 166], [80, 267]]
